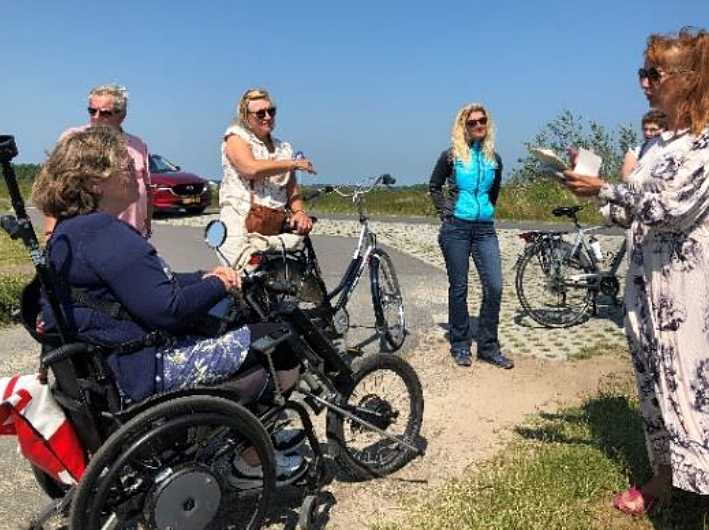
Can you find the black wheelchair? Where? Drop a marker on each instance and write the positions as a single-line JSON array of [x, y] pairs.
[[165, 462]]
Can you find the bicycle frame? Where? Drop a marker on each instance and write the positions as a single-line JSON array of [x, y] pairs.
[[366, 244], [580, 241]]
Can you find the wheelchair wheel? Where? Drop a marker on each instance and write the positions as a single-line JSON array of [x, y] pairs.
[[386, 299], [170, 467], [386, 393]]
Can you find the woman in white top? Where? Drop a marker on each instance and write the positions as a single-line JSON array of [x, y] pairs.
[[255, 162]]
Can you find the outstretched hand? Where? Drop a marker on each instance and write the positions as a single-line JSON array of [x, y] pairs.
[[303, 164]]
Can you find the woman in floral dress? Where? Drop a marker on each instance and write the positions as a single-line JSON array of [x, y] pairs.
[[665, 204]]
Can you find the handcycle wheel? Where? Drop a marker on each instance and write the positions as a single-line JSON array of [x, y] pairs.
[[550, 284], [169, 467], [387, 300], [385, 392]]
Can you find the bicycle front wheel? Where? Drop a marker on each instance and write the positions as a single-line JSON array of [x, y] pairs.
[[552, 285], [387, 300], [385, 393]]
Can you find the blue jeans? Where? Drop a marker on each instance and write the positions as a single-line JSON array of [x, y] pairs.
[[459, 240]]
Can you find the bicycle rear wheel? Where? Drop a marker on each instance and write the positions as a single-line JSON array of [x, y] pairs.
[[552, 285], [386, 393], [387, 300]]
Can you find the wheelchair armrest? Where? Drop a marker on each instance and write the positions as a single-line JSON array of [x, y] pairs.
[[65, 352]]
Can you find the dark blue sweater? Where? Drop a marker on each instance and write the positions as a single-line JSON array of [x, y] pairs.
[[108, 258]]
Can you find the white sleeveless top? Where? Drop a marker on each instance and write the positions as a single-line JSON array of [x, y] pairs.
[[235, 189]]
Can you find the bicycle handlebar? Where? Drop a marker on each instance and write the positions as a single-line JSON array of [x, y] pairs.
[[359, 189]]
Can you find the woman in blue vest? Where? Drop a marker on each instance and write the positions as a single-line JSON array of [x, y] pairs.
[[472, 171]]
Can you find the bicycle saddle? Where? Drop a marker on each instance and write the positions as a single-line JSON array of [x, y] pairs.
[[567, 211]]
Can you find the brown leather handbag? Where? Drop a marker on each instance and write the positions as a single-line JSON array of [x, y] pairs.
[[264, 220]]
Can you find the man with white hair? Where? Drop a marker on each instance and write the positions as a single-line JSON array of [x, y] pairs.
[[107, 106]]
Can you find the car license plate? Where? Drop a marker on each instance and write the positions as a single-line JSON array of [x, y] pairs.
[[190, 200]]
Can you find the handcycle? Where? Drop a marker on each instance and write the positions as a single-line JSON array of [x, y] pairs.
[[557, 281], [164, 462], [329, 309]]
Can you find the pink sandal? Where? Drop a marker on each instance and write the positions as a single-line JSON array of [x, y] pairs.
[[633, 502]]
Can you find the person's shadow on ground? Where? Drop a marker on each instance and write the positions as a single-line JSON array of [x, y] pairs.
[[616, 429]]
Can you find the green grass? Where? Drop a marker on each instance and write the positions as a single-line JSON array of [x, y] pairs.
[[531, 201], [561, 472], [14, 274]]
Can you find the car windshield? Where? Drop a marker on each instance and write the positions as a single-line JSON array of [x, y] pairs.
[[159, 164]]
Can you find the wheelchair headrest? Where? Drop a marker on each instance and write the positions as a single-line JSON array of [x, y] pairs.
[[30, 314]]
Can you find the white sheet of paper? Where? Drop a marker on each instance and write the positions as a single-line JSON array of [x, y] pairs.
[[587, 163]]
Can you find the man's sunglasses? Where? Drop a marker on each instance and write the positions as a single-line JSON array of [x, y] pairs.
[[473, 123], [102, 113], [261, 114]]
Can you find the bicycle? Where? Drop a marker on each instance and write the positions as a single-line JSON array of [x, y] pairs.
[[301, 266], [558, 282]]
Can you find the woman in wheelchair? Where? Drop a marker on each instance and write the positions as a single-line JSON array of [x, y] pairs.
[[116, 291]]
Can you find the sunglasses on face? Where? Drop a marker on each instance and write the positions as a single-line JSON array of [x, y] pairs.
[[473, 123], [261, 114], [652, 74], [102, 113]]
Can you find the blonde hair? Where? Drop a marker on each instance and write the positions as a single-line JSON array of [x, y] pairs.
[[117, 92], [686, 53], [66, 184], [242, 110], [460, 140]]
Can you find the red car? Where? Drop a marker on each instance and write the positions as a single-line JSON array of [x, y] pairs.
[[174, 190]]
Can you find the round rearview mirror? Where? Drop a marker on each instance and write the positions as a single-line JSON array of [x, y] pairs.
[[215, 234]]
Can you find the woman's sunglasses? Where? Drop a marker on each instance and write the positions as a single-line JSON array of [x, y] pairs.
[[261, 114], [652, 74], [473, 123]]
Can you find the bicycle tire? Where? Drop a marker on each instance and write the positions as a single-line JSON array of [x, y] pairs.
[[164, 428], [387, 300], [396, 409], [550, 264]]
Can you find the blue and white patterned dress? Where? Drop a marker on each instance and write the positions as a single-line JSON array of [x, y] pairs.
[[666, 205]]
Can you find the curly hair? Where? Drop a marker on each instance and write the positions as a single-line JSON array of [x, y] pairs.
[[66, 184], [460, 140], [686, 53], [242, 110]]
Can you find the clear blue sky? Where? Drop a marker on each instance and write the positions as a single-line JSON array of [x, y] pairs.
[[362, 87]]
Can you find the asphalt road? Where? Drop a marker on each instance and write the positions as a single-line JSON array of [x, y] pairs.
[[423, 286]]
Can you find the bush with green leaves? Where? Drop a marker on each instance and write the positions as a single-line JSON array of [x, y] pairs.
[[11, 286]]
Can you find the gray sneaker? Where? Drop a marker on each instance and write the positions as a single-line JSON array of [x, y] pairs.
[[461, 356]]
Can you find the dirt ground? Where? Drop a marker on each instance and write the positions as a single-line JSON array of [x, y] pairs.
[[469, 414]]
